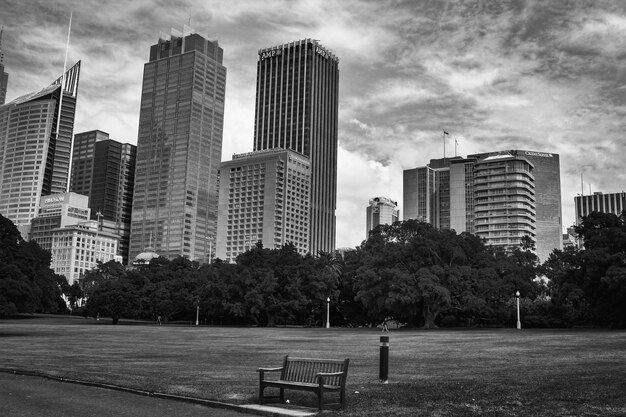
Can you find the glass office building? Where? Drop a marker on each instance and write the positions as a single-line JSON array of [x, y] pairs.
[[179, 147], [35, 143], [297, 109], [104, 170]]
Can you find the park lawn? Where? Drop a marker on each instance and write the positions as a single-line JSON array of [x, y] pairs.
[[436, 373]]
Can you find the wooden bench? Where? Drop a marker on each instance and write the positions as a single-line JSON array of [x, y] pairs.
[[314, 375]]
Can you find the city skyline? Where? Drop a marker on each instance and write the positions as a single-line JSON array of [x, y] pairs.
[[527, 75]]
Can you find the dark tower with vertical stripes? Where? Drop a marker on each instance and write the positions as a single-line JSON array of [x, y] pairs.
[[297, 108]]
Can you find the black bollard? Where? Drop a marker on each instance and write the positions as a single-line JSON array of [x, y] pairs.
[[384, 360]]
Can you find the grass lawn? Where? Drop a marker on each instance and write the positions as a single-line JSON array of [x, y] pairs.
[[500, 372]]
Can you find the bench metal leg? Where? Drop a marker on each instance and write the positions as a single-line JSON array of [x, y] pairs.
[[282, 395]]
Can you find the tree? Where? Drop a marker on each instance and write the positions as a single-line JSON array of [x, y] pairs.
[[27, 284], [413, 272]]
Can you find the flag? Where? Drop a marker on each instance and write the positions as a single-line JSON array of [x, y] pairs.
[[445, 133], [455, 142]]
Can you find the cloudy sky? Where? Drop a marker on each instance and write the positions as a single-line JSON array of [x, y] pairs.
[[536, 75]]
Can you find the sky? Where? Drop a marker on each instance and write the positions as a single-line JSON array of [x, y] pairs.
[[545, 76]]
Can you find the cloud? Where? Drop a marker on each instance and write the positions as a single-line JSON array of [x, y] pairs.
[[496, 75]]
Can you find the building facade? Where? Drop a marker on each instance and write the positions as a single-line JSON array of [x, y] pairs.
[[504, 200], [35, 147], [58, 210], [500, 196], [297, 108], [264, 197], [179, 147], [381, 210], [83, 157], [78, 248], [104, 170], [584, 205]]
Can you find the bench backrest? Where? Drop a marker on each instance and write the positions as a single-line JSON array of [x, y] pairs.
[[304, 370]]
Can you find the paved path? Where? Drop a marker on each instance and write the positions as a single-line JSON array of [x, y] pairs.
[[30, 396]]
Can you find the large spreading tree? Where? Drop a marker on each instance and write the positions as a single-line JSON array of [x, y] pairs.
[[27, 283]]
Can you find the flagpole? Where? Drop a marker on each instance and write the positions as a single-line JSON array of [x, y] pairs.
[[444, 144]]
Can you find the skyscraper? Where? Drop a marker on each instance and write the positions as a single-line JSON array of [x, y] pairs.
[[104, 170], [381, 210], [264, 196], [35, 143], [4, 77], [179, 147], [83, 160], [297, 109], [500, 196]]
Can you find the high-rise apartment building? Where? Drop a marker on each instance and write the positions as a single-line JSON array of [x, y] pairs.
[[297, 109], [264, 196], [504, 200], [179, 147], [35, 144], [104, 170], [500, 196], [4, 77], [584, 205], [381, 210], [548, 218]]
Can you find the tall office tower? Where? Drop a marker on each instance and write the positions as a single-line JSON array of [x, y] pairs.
[[35, 142], [4, 77], [83, 158], [264, 196], [179, 147], [297, 109], [104, 170], [584, 205], [426, 194], [462, 194], [501, 204], [381, 210]]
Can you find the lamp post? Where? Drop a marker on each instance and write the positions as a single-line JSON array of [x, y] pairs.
[[328, 312], [197, 313], [519, 323]]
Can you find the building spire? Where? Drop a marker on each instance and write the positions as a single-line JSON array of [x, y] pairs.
[[1, 53]]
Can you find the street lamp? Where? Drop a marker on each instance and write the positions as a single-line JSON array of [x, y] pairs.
[[197, 312], [519, 323], [328, 312]]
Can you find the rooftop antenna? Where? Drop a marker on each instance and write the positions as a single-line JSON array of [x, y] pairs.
[[67, 50]]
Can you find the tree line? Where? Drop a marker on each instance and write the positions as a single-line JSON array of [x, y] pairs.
[[408, 272]]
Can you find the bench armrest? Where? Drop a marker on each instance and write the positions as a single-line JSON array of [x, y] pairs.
[[269, 369]]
